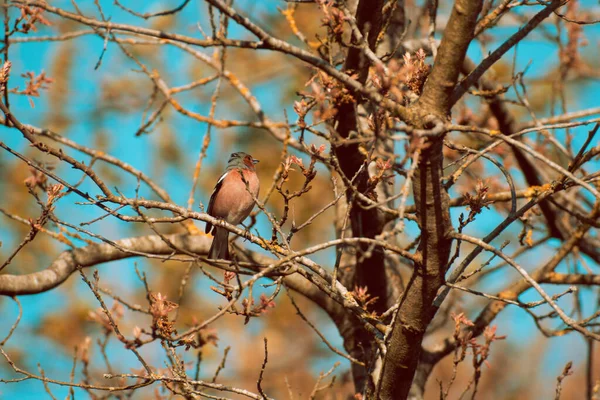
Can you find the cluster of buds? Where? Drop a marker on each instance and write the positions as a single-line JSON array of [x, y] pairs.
[[250, 309], [363, 297], [460, 321], [327, 92], [199, 339], [34, 84], [333, 18], [415, 71], [301, 108], [54, 193], [481, 352], [261, 308], [287, 165], [160, 308], [411, 75], [309, 172], [30, 17], [478, 201], [4, 73], [380, 176], [227, 290]]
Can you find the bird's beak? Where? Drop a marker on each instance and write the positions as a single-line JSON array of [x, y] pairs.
[[255, 161]]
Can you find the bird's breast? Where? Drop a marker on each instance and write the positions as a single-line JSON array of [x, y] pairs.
[[234, 201]]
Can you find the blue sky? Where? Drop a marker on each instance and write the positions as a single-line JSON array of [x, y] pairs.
[[140, 152]]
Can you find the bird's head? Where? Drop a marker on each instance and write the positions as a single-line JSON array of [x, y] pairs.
[[241, 160]]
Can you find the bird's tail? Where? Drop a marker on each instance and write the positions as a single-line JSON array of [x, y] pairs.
[[219, 249]]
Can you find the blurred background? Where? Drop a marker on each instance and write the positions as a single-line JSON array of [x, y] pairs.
[[106, 107]]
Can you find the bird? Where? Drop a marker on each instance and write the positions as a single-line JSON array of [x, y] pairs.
[[231, 200]]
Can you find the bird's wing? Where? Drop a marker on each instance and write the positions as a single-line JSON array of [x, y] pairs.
[[211, 202]]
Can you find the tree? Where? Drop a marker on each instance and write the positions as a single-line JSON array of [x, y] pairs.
[[442, 172]]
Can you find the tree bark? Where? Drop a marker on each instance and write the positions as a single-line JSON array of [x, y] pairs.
[[369, 269], [432, 202]]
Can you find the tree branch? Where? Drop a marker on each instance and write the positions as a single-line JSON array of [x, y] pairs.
[[436, 97], [415, 308], [68, 261], [490, 60]]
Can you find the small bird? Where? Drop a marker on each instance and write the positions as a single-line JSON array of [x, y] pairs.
[[231, 200]]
